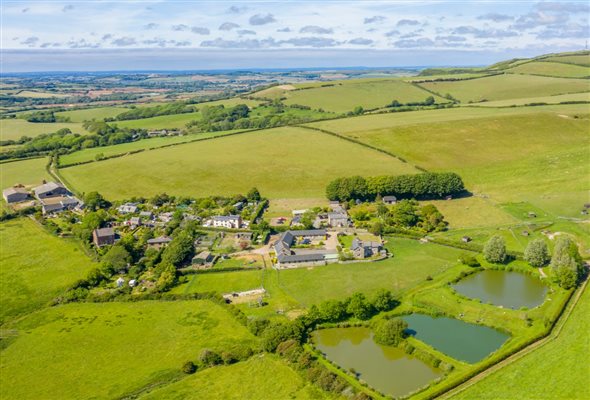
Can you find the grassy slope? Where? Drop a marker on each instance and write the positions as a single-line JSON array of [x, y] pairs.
[[36, 266], [579, 59], [282, 162], [90, 154], [558, 370], [345, 97], [92, 113], [175, 121], [27, 172], [222, 282], [107, 350], [412, 263], [552, 69], [258, 378], [16, 128], [543, 99], [508, 86]]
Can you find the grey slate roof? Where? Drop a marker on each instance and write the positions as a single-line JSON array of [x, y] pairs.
[[159, 240], [47, 187], [105, 232], [294, 258]]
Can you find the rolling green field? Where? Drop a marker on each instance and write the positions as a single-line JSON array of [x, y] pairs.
[[26, 172], [580, 59], [36, 267], [411, 263], [222, 282], [563, 359], [254, 379], [547, 68], [92, 113], [507, 86], [108, 350], [544, 99], [90, 154], [13, 129], [369, 94], [175, 121], [281, 163]]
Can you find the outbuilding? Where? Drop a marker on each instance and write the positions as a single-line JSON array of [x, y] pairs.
[[15, 195]]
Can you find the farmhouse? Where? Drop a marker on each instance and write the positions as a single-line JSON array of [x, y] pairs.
[[365, 249], [389, 199], [338, 219], [50, 205], [285, 255], [225, 221], [159, 242], [103, 237], [127, 208], [50, 189], [15, 194]]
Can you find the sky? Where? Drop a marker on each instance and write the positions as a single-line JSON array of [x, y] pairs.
[[191, 35]]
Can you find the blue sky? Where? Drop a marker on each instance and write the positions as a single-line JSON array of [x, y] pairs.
[[175, 34]]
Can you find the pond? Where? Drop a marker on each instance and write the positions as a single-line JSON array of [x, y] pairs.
[[503, 288], [388, 369], [458, 339]]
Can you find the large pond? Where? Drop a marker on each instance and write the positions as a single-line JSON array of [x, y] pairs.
[[458, 339], [503, 288], [388, 369]]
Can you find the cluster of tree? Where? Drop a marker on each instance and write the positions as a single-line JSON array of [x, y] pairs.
[[155, 111], [64, 140], [11, 101], [210, 358], [565, 262], [427, 102], [390, 331], [45, 116], [406, 214], [426, 185]]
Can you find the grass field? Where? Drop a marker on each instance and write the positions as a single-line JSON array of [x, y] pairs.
[[88, 114], [368, 94], [175, 121], [222, 282], [36, 267], [90, 154], [13, 129], [108, 350], [281, 163], [27, 172], [544, 99], [581, 59], [258, 378], [284, 207], [507, 86], [411, 263], [564, 360], [547, 68]]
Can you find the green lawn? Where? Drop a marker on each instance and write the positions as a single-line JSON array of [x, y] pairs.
[[411, 263], [281, 163], [36, 267], [90, 154], [547, 68], [507, 86], [260, 378], [88, 114], [222, 282], [13, 129], [108, 350], [345, 96], [558, 370], [27, 172]]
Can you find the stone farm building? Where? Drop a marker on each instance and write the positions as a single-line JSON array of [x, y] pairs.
[[286, 257], [159, 242], [50, 189], [365, 249], [127, 208], [15, 194], [103, 237], [203, 258], [389, 199]]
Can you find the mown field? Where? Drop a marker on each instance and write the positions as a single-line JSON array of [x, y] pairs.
[[564, 360], [507, 86], [36, 267], [27, 172], [13, 129], [547, 68], [109, 350], [258, 378], [281, 163], [222, 282], [175, 121], [412, 263], [531, 100], [92, 113], [91, 153]]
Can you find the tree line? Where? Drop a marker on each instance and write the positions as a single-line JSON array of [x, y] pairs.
[[155, 111], [428, 185]]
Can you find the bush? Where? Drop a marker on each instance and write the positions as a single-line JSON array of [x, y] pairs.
[[390, 332], [209, 358], [469, 260], [189, 368]]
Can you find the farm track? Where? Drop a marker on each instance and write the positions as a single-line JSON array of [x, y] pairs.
[[553, 335]]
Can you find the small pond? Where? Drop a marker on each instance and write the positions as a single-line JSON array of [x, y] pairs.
[[388, 369], [503, 288], [458, 339]]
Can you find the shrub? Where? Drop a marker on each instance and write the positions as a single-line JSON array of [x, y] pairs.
[[189, 368], [390, 332], [469, 260], [209, 358]]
